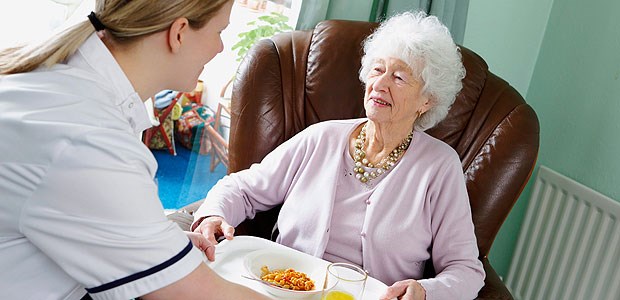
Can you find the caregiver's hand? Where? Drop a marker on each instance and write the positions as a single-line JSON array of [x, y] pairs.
[[214, 227], [405, 290], [201, 242]]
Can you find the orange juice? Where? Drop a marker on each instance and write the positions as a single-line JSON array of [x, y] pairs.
[[338, 295]]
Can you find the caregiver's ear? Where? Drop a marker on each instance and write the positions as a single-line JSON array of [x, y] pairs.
[[176, 33]]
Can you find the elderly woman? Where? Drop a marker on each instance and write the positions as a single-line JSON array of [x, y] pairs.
[[377, 192]]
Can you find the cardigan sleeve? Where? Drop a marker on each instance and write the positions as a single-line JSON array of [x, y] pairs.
[[264, 185], [460, 274]]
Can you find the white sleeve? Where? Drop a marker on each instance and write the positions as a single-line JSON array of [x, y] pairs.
[[97, 215]]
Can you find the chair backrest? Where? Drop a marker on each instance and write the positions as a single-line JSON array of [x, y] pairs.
[[303, 77]]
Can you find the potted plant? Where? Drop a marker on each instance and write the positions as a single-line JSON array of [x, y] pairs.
[[264, 27]]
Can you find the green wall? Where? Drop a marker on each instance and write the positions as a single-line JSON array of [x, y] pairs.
[[576, 91], [508, 35], [564, 56]]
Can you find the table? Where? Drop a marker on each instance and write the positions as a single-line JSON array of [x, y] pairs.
[[229, 263]]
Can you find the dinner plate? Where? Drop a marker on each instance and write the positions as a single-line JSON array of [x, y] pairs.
[[282, 259], [230, 257]]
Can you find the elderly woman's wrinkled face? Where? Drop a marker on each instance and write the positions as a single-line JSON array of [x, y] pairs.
[[393, 94]]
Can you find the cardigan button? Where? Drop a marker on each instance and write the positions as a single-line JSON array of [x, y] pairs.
[[368, 202], [363, 234]]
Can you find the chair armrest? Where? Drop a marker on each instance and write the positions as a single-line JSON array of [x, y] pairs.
[[493, 287], [184, 217]]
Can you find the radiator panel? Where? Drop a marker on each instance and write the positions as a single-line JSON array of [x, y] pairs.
[[569, 245]]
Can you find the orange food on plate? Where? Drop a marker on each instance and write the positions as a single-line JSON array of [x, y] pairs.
[[287, 278]]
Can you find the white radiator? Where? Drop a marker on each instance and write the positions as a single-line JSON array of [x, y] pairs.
[[569, 245]]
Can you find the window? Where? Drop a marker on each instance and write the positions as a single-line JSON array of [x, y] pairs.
[[21, 23], [222, 68], [188, 176]]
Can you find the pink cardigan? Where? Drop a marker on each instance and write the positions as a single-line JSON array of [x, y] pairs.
[[419, 209]]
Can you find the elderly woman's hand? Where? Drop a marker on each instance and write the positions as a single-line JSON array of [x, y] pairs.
[[405, 290], [201, 242], [214, 227]]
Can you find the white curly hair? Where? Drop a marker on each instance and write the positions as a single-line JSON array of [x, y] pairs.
[[426, 46]]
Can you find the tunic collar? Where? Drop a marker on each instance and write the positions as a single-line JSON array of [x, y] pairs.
[[93, 54]]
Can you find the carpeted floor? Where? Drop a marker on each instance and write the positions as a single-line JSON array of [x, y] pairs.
[[184, 178]]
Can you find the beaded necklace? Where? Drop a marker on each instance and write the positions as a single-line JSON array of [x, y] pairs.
[[361, 162]]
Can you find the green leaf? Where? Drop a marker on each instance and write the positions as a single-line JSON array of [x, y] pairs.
[[263, 27]]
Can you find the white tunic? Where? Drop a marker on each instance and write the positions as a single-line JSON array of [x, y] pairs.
[[79, 209]]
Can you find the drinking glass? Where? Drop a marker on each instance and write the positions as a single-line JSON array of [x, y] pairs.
[[344, 281]]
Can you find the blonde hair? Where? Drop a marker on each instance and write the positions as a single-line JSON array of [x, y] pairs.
[[426, 46], [126, 21]]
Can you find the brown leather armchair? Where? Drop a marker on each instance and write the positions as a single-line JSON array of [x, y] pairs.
[[296, 79]]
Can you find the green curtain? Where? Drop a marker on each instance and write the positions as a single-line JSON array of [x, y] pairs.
[[453, 13], [379, 9], [312, 12]]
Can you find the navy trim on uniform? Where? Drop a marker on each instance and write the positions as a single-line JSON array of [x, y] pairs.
[[142, 274]]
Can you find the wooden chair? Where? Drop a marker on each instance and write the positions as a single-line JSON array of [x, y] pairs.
[[161, 116], [218, 146]]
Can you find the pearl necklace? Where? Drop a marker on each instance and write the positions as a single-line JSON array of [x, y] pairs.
[[361, 162]]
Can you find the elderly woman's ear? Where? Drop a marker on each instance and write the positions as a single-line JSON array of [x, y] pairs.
[[427, 105]]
